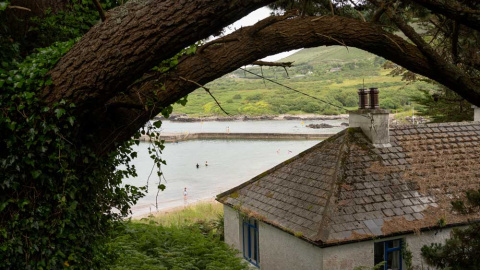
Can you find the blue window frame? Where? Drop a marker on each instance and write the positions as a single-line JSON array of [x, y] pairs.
[[250, 241], [390, 252]]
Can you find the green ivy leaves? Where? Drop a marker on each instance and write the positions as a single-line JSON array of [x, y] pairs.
[[53, 188], [4, 5]]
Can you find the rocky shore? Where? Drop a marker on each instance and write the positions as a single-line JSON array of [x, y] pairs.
[[186, 118]]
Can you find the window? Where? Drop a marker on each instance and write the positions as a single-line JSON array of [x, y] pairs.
[[390, 252], [250, 240]]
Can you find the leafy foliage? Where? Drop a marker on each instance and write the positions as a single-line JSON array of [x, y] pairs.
[[147, 246], [462, 250], [407, 256], [59, 202], [58, 198], [54, 25], [471, 205], [443, 105]]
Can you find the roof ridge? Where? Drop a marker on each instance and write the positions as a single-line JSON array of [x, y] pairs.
[[338, 167]]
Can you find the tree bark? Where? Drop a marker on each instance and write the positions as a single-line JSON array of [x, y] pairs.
[[124, 114], [134, 38]]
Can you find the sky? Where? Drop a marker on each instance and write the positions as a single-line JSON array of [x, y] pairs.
[[251, 19]]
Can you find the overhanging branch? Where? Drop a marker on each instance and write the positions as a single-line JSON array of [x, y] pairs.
[[273, 64], [282, 36]]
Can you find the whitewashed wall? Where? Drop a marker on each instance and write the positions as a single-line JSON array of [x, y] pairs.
[[280, 250], [232, 227], [416, 242], [348, 256]]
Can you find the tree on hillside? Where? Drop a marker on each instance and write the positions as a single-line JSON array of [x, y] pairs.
[[68, 111]]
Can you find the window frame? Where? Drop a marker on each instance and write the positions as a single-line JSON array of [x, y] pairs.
[[387, 249], [247, 222]]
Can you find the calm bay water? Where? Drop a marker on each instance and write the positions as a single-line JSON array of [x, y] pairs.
[[230, 162]]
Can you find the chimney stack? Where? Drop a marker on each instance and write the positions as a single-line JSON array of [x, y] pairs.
[[374, 98], [370, 118], [362, 98], [476, 113]]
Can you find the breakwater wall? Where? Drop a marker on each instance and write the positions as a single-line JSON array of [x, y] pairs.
[[177, 137]]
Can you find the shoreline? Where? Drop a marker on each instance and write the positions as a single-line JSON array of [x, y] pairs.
[[173, 209], [179, 137], [186, 118]]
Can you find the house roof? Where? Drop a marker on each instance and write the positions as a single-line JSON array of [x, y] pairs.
[[344, 189]]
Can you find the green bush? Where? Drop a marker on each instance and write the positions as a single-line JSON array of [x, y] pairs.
[[311, 107], [147, 246], [237, 96], [254, 97], [462, 249]]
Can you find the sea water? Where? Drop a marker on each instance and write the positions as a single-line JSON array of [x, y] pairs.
[[230, 163]]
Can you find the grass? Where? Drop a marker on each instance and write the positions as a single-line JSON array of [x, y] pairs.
[[199, 212]]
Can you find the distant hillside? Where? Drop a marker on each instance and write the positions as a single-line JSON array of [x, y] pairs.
[[332, 54], [330, 73]]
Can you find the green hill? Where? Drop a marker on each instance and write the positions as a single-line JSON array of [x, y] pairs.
[[332, 54], [330, 73]]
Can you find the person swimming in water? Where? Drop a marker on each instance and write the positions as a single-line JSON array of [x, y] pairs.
[[198, 166], [206, 164]]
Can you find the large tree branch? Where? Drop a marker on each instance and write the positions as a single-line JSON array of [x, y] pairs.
[[120, 123], [134, 38]]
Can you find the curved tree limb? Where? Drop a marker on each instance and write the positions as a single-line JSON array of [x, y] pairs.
[[282, 36], [134, 38]]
